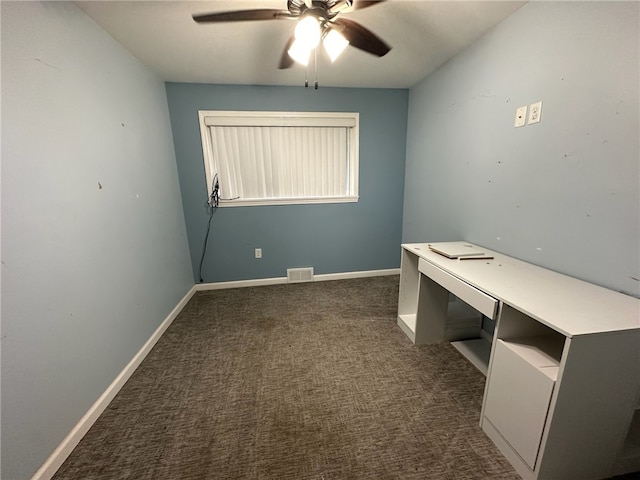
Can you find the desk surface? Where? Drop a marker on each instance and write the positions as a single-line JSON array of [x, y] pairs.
[[566, 304]]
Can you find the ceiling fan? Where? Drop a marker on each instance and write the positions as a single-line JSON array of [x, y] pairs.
[[318, 21]]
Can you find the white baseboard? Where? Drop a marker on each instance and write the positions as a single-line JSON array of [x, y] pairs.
[[363, 274], [280, 280], [67, 445], [65, 448], [240, 283]]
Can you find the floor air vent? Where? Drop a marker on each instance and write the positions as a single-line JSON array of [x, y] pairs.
[[297, 275]]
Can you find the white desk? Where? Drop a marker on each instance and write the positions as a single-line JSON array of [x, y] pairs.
[[562, 397]]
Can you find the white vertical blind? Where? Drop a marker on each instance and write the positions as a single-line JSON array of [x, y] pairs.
[[281, 162], [264, 158]]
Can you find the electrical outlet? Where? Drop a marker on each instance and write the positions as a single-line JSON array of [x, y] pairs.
[[521, 116], [535, 110], [258, 253]]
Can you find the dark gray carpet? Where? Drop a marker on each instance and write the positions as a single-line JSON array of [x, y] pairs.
[[300, 381]]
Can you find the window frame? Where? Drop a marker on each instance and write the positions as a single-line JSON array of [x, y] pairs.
[[350, 120]]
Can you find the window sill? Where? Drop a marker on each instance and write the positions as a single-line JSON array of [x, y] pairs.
[[254, 202]]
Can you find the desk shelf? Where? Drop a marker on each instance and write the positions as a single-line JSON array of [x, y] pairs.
[[477, 351]]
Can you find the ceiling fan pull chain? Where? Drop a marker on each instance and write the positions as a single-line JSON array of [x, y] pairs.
[[315, 66]]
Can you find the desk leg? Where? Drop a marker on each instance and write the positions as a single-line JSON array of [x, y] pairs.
[[431, 317]]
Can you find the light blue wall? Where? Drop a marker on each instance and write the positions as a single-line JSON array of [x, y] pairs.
[[94, 249], [329, 237], [563, 193]]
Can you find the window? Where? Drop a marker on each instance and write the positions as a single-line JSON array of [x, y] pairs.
[[266, 158]]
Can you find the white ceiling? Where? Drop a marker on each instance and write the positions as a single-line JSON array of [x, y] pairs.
[[423, 35]]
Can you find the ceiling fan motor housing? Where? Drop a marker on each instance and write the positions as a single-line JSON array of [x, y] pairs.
[[326, 9]]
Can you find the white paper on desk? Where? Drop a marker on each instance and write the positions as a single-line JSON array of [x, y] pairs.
[[456, 249]]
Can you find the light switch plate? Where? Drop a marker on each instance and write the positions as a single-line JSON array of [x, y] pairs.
[[535, 110], [521, 116]]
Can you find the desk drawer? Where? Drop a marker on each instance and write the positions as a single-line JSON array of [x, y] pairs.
[[476, 298]]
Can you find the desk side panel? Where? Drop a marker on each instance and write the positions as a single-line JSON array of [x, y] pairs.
[[592, 406], [431, 318], [409, 277]]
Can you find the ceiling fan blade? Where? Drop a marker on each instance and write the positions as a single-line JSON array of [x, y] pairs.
[[285, 60], [360, 4], [360, 37], [243, 15]]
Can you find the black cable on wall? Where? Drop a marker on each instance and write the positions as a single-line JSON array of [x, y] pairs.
[[212, 207]]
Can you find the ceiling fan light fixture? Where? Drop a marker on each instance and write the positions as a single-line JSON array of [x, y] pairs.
[[300, 52], [334, 44], [308, 32]]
